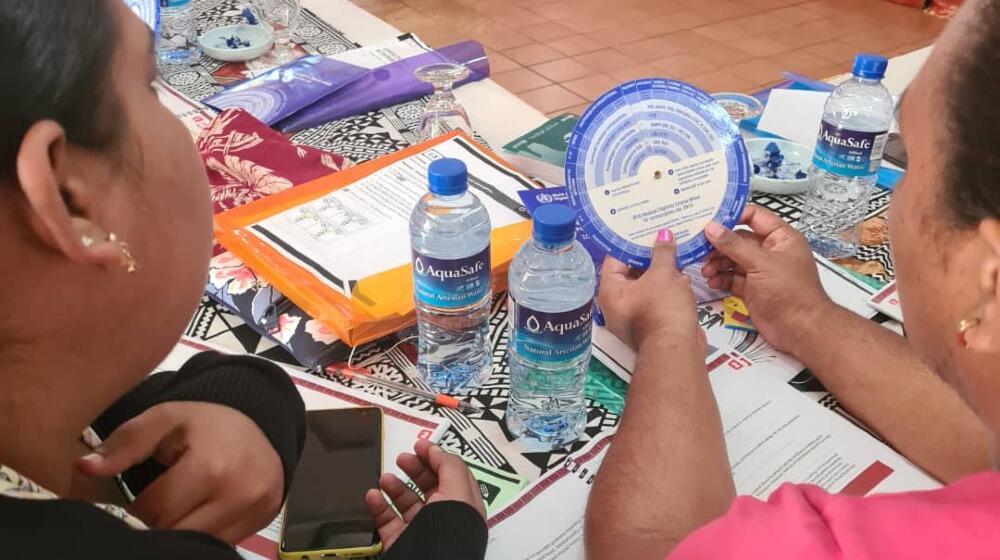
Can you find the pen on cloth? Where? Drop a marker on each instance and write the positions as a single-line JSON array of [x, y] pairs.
[[439, 399]]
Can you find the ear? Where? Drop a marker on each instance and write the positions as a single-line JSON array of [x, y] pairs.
[[51, 188], [985, 336]]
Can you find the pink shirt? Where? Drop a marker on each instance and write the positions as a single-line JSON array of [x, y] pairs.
[[960, 521]]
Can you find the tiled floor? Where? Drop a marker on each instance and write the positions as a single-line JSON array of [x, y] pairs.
[[558, 55]]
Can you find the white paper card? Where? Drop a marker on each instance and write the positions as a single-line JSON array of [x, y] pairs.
[[374, 56], [794, 114]]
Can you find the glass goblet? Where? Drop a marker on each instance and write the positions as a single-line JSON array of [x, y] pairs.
[[443, 113], [281, 16]]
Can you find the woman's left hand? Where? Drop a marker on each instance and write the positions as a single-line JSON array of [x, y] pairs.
[[659, 302], [222, 475]]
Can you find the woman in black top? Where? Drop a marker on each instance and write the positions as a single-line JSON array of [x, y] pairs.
[[105, 235]]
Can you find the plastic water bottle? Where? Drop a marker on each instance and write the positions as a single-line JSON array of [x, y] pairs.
[[450, 239], [552, 283], [845, 165], [177, 38]]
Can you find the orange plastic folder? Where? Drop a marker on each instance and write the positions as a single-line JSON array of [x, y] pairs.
[[339, 246]]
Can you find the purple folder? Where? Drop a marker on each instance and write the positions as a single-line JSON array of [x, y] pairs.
[[387, 85], [285, 90]]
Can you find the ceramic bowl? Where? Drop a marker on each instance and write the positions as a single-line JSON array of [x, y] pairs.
[[236, 43], [795, 154], [740, 106]]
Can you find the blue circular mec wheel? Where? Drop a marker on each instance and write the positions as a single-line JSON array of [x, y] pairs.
[[654, 120]]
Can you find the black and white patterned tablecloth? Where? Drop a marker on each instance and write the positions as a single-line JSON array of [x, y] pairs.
[[363, 137]]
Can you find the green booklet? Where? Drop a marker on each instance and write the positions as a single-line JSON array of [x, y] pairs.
[[497, 486], [604, 387], [542, 152]]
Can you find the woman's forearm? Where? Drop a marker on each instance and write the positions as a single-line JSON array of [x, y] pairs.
[[667, 471], [876, 376]]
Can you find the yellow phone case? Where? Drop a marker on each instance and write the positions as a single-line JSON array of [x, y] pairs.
[[356, 552]]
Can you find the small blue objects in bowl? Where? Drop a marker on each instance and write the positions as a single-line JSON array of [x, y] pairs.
[[236, 43], [779, 166], [772, 165]]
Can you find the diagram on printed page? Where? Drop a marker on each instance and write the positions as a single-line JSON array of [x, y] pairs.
[[329, 219]]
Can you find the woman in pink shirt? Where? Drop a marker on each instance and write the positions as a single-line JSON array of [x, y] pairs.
[[665, 487]]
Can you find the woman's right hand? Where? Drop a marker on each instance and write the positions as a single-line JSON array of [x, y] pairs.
[[441, 477], [772, 269]]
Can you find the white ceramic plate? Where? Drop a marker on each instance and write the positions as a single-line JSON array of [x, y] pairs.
[[795, 154], [256, 41]]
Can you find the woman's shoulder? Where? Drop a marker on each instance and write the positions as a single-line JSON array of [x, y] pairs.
[[970, 498], [957, 521], [55, 528]]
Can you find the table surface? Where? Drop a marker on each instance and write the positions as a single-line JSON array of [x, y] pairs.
[[498, 116]]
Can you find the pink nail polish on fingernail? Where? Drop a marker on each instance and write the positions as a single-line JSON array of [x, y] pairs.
[[664, 236]]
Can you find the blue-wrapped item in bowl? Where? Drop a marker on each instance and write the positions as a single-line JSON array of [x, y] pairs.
[[236, 43], [779, 166]]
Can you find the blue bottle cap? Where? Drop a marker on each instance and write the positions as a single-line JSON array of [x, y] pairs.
[[870, 66], [553, 224], [448, 176]]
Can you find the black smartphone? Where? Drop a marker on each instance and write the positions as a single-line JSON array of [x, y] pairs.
[[325, 514], [894, 151]]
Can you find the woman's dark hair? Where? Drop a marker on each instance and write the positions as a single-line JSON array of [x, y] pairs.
[[56, 57], [972, 171]]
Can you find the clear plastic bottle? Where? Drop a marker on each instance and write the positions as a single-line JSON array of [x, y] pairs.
[[552, 281], [177, 38], [450, 239], [849, 147]]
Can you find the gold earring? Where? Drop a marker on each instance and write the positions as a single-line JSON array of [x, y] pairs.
[[963, 326], [128, 262]]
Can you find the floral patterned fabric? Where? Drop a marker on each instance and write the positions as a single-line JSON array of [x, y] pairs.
[[268, 312], [246, 161]]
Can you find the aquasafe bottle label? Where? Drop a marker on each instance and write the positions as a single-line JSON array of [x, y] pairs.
[[551, 337], [451, 283], [848, 153]]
